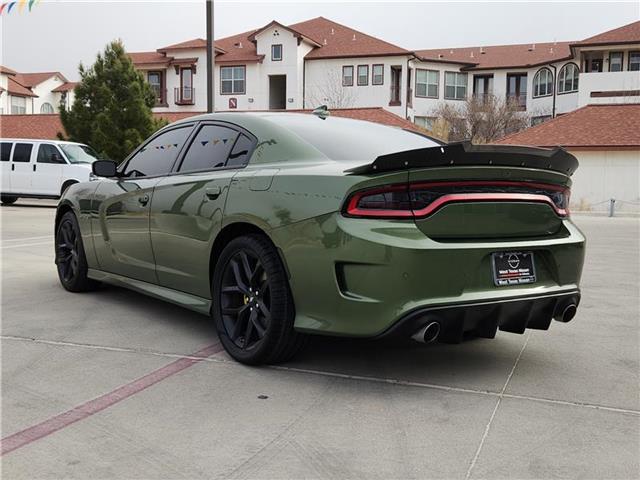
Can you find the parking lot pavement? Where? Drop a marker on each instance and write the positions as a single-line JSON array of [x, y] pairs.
[[114, 384]]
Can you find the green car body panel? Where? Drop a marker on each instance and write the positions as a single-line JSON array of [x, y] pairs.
[[348, 276]]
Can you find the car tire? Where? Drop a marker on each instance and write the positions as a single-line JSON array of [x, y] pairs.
[[71, 261], [253, 307], [8, 199]]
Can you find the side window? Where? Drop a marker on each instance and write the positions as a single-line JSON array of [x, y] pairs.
[[49, 154], [241, 152], [22, 152], [157, 156], [5, 151], [209, 149]]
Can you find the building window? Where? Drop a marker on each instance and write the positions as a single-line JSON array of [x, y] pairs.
[[46, 108], [482, 86], [517, 89], [427, 83], [347, 76], [377, 75], [18, 105], [363, 75], [615, 61], [455, 86], [425, 122], [568, 78], [155, 81], [276, 53], [634, 61], [232, 80], [540, 119], [543, 83], [185, 94]]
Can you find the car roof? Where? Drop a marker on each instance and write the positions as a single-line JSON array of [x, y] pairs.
[[40, 140]]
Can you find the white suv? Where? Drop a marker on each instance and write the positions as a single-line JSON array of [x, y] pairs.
[[42, 168]]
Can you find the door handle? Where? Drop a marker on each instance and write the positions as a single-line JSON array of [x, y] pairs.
[[213, 192], [143, 200], [13, 167], [34, 167]]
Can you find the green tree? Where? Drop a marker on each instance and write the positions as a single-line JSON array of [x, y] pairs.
[[112, 106]]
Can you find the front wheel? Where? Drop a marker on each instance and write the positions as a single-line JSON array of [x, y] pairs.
[[253, 307], [70, 258]]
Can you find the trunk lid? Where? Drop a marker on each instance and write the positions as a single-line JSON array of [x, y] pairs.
[[466, 192]]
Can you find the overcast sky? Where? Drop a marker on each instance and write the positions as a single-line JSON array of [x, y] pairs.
[[57, 35]]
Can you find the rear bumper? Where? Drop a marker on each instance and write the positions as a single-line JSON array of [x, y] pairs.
[[483, 319], [363, 278]]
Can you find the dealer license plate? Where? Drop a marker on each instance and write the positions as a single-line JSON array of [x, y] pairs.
[[513, 268]]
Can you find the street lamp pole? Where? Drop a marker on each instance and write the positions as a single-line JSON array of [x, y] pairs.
[[210, 57]]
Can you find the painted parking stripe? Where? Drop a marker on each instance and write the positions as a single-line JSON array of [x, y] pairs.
[[85, 410], [26, 238], [4, 247]]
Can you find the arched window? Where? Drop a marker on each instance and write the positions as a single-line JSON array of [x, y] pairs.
[[543, 83], [568, 78], [46, 108]]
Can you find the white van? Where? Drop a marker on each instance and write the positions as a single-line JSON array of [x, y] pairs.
[[42, 168]]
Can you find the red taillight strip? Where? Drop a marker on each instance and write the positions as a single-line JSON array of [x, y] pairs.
[[353, 210], [486, 197]]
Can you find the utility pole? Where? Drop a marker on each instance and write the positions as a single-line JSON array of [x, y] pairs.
[[210, 57]]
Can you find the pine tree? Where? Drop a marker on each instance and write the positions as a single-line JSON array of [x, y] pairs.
[[112, 107]]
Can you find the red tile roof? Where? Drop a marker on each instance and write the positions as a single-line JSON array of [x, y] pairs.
[[7, 71], [48, 126], [500, 56], [30, 80], [592, 126], [39, 126], [149, 58], [341, 41], [66, 87], [296, 33], [189, 44], [18, 90], [238, 48], [626, 34]]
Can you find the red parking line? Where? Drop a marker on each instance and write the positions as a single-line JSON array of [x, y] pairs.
[[85, 410]]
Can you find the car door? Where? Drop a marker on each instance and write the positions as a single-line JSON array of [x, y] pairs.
[[21, 168], [47, 171], [121, 229], [187, 207], [5, 157]]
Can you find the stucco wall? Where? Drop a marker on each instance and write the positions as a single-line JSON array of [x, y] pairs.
[[603, 175]]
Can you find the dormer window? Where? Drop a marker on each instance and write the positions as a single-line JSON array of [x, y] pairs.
[[276, 53]]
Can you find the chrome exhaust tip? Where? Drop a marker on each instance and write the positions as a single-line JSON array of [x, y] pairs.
[[427, 334], [567, 313]]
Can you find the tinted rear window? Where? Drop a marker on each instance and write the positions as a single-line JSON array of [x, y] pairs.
[[344, 139], [210, 148], [5, 151], [22, 152]]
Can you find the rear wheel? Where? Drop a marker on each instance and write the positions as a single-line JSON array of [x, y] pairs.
[[253, 308], [8, 199], [70, 258]]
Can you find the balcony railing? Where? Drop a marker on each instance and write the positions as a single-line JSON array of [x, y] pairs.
[[184, 96], [394, 98]]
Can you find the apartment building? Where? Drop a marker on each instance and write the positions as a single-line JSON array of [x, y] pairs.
[[319, 61], [29, 93]]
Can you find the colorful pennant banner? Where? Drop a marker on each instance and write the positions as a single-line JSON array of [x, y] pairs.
[[8, 7]]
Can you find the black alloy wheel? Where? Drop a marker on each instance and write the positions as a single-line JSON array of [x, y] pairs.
[[70, 257], [252, 304], [245, 299]]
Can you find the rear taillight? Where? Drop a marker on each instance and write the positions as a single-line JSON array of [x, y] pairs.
[[422, 199]]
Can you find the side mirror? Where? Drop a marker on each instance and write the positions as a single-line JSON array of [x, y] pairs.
[[104, 168]]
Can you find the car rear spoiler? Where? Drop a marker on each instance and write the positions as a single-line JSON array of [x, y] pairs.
[[467, 154]]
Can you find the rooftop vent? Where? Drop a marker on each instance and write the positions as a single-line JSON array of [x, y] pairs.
[[532, 47], [440, 55], [238, 44], [354, 37], [325, 41], [471, 54], [332, 31], [482, 51], [551, 50]]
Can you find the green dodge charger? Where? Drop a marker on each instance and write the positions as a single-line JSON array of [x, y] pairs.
[[280, 225]]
